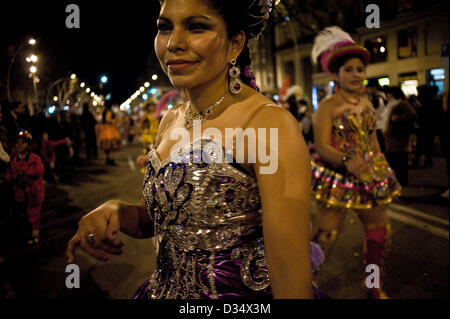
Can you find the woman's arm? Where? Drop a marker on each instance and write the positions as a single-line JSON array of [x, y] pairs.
[[322, 126], [134, 220], [285, 197]]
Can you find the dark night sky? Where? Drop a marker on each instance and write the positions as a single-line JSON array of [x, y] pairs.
[[115, 38]]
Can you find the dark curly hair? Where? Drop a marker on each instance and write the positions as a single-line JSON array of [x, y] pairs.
[[247, 16]]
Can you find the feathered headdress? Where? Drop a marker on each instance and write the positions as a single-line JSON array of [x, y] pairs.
[[333, 43]]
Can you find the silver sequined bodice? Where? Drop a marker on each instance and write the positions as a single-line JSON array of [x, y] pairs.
[[202, 206]]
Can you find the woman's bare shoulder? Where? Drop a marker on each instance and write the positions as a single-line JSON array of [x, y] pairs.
[[327, 106]]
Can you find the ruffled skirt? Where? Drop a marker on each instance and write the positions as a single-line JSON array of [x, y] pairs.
[[109, 138], [341, 189]]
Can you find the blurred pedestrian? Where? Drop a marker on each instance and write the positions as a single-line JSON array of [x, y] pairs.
[[14, 121], [6, 202], [399, 128], [77, 134], [4, 147], [306, 121], [447, 148], [48, 155], [109, 134], [378, 99], [71, 131], [88, 123], [26, 174]]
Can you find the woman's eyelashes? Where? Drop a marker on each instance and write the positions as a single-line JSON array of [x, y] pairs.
[[359, 70], [162, 26], [198, 27], [194, 27]]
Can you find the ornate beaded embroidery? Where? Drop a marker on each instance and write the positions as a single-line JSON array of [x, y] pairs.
[[202, 208]]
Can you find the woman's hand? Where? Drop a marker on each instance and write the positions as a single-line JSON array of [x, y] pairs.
[[104, 223], [141, 160], [357, 166]]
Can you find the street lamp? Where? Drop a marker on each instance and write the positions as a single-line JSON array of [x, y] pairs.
[[104, 79], [154, 77], [33, 69], [8, 86], [73, 76]]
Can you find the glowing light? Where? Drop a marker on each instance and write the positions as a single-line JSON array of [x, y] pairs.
[[382, 49], [33, 69], [95, 103], [92, 94], [104, 79], [32, 41], [146, 84], [276, 97], [88, 90], [410, 87], [144, 97], [142, 89], [82, 84], [384, 82], [153, 91], [28, 59], [154, 77], [55, 98], [169, 106], [66, 108], [51, 109], [73, 76]]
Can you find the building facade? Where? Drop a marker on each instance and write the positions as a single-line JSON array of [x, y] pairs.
[[408, 50]]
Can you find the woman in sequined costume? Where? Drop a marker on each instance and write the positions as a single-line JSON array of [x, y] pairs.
[[223, 228], [349, 172]]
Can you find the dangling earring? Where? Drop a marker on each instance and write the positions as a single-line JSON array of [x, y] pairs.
[[235, 81]]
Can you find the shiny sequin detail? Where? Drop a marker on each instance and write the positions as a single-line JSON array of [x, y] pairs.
[[351, 134], [203, 208]]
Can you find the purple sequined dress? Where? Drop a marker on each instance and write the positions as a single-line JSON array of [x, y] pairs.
[[209, 225]]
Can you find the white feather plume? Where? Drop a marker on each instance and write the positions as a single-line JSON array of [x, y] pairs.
[[326, 39]]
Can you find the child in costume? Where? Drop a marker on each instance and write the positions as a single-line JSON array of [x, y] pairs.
[[26, 174], [109, 134], [349, 172]]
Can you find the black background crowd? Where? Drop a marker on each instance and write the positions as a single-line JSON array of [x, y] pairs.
[[57, 139]]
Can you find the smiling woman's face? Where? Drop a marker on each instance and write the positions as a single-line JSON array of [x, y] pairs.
[[351, 75], [192, 44]]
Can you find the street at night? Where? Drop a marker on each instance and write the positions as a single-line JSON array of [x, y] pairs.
[[417, 266]]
